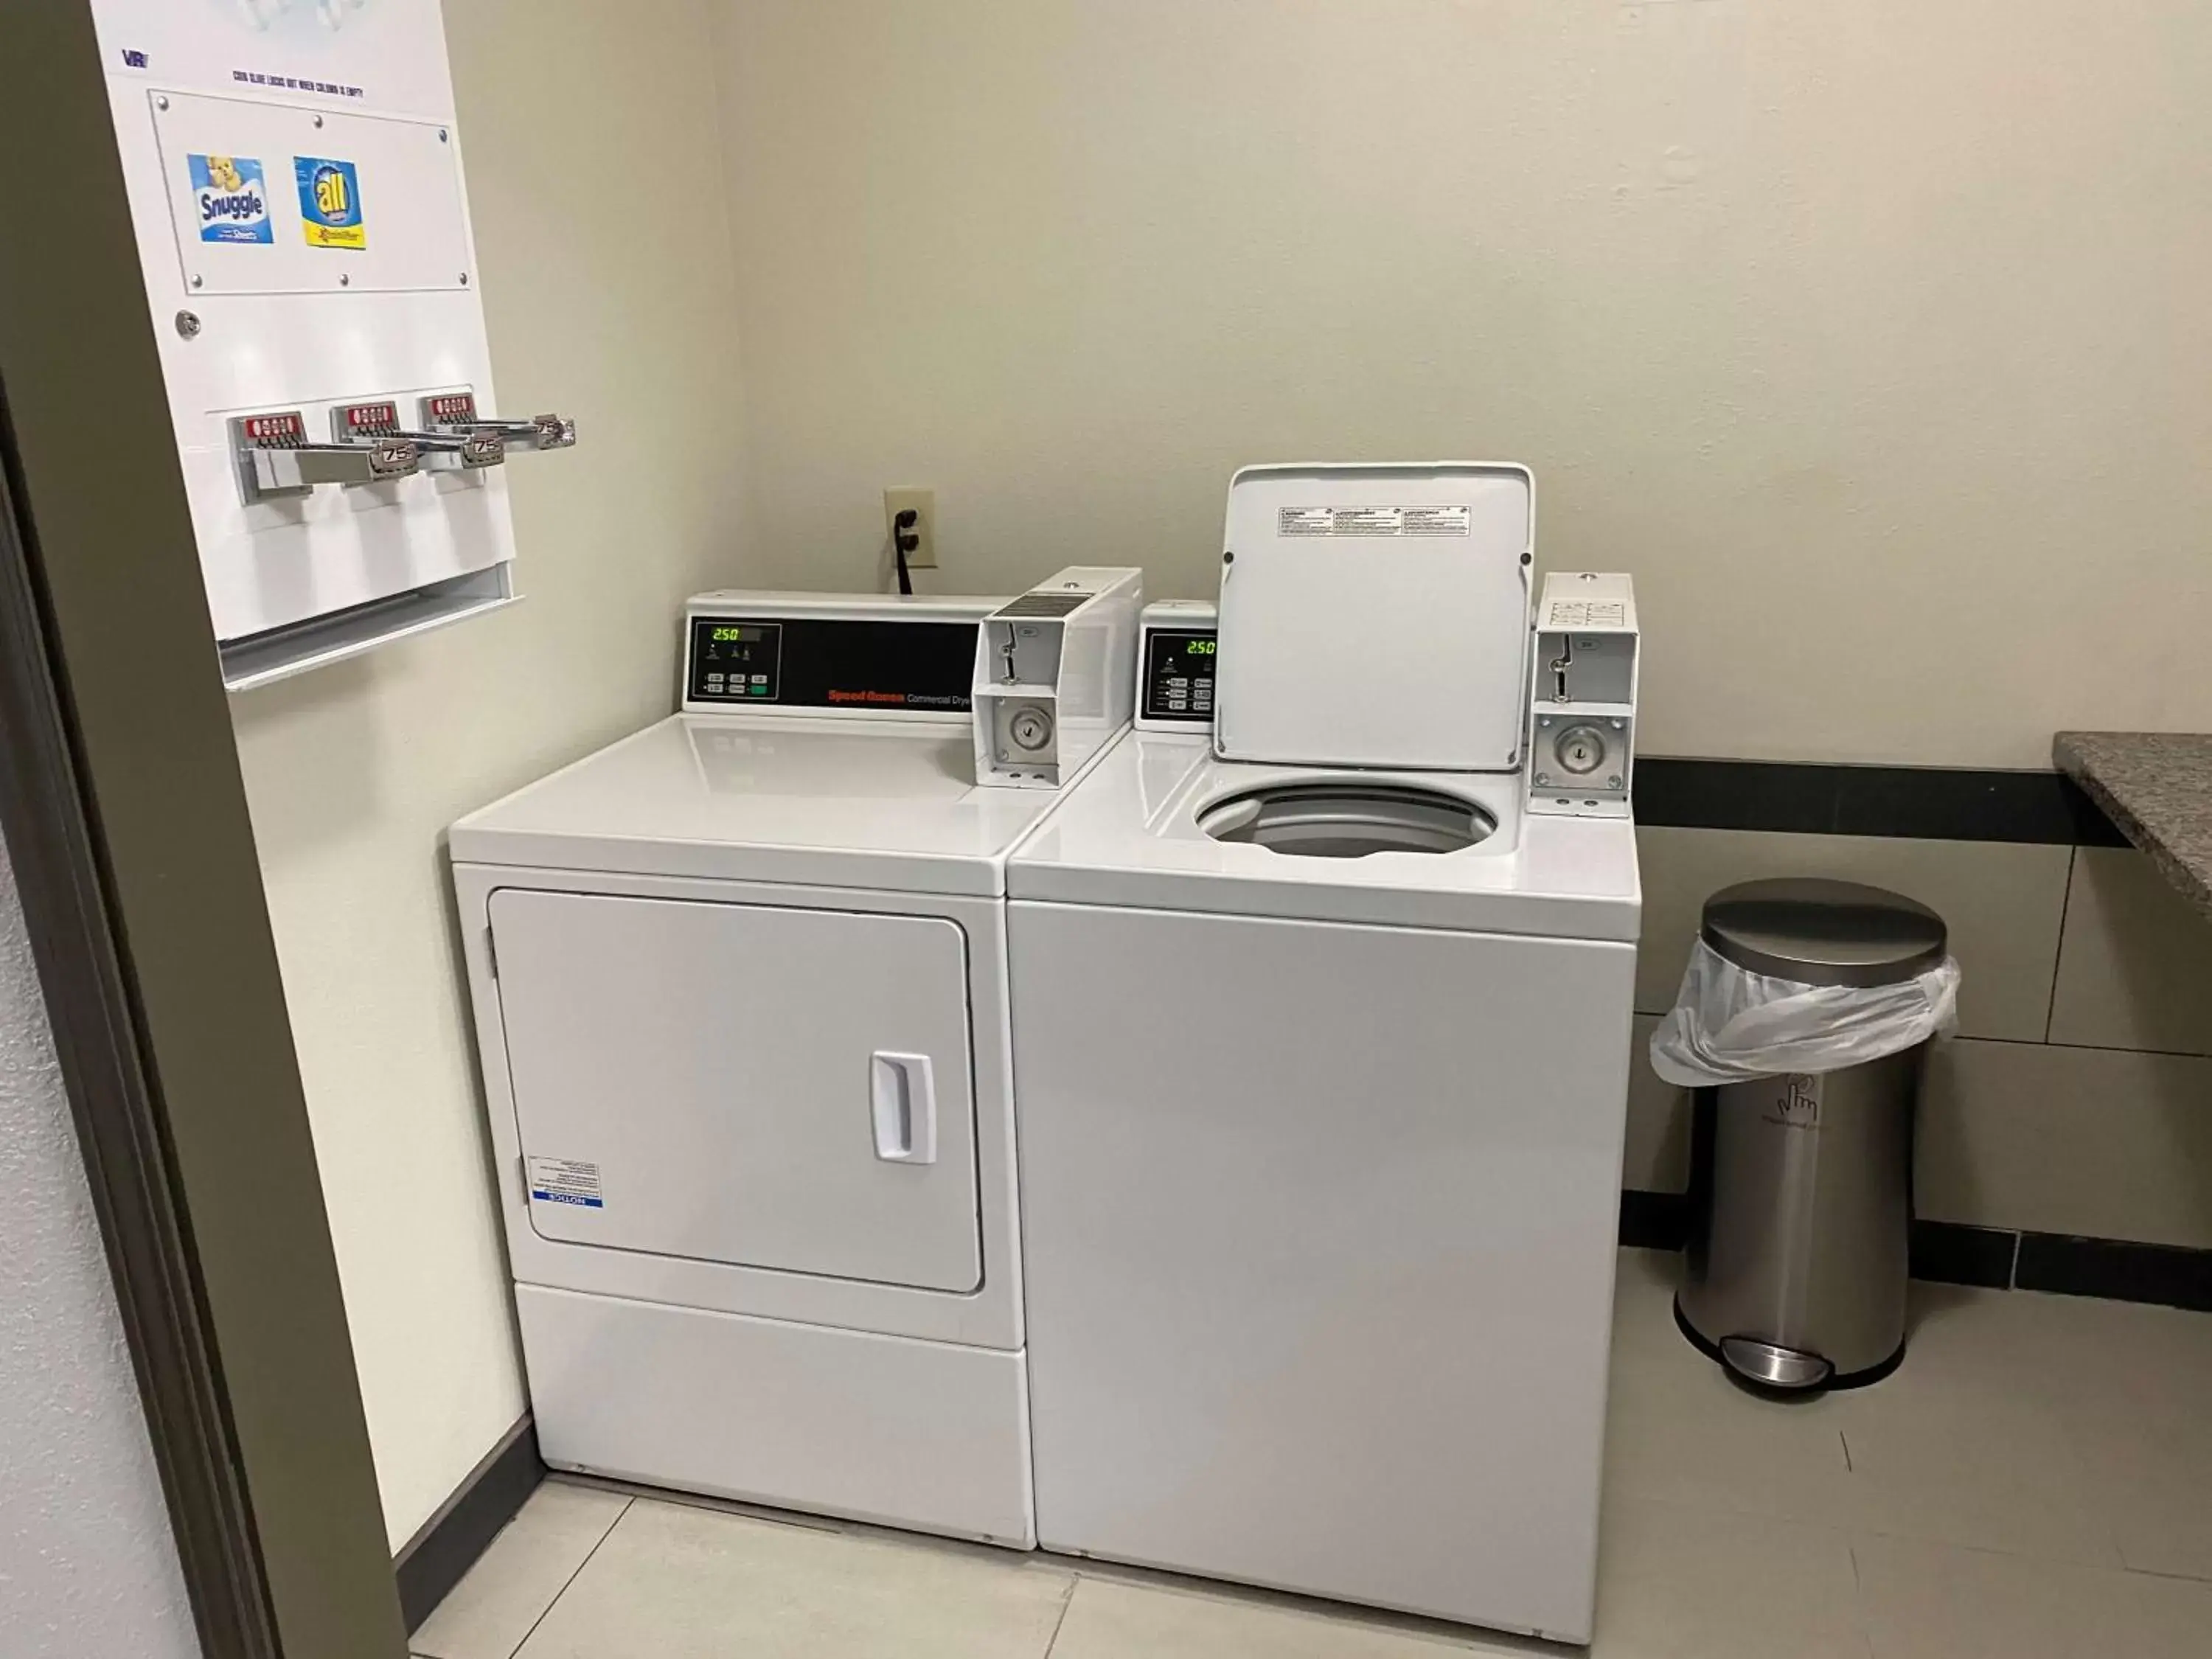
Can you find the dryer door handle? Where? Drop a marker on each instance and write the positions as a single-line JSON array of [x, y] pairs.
[[902, 1106]]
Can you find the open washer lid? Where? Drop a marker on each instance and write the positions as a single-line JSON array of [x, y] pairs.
[[1375, 616]]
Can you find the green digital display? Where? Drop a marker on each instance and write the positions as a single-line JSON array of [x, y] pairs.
[[1178, 675], [731, 658]]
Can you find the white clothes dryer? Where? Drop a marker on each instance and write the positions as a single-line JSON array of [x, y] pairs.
[[740, 991], [1323, 1056]]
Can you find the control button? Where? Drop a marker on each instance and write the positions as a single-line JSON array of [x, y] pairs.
[[760, 679], [1176, 705], [760, 690], [714, 681]]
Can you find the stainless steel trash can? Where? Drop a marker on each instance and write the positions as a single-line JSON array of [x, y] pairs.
[[1801, 1185]]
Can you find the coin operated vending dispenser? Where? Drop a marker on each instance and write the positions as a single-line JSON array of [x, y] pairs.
[[294, 176], [1582, 747]]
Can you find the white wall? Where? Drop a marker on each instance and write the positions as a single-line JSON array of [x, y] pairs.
[[88, 1569], [1871, 337], [590, 143]]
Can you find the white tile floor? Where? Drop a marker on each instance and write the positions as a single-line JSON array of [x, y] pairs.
[[2036, 1483]]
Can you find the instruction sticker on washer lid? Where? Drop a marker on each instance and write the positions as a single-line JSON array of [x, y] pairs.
[[564, 1180], [1453, 520]]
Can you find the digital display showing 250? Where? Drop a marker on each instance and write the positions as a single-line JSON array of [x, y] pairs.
[[1178, 675], [734, 660]]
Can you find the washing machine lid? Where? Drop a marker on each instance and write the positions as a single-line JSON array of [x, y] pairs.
[[1377, 615], [891, 806]]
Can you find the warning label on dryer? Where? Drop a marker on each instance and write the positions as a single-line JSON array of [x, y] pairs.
[[1457, 520], [561, 1181]]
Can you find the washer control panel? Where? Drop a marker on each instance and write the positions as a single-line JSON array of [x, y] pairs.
[[1179, 676], [1176, 645]]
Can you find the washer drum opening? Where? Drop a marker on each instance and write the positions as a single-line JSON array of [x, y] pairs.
[[1347, 820]]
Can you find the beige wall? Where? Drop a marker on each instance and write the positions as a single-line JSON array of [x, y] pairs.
[[1872, 337], [591, 152]]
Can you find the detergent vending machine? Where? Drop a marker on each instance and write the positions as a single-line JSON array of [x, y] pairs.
[[295, 175]]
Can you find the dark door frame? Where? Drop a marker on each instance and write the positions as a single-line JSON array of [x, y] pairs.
[[52, 846], [126, 820]]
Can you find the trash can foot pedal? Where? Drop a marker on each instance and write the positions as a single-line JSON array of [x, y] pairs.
[[1771, 1365]]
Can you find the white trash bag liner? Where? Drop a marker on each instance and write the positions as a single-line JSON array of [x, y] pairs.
[[1729, 1026]]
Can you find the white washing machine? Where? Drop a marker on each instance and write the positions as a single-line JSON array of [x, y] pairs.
[[1323, 1040], [740, 990]]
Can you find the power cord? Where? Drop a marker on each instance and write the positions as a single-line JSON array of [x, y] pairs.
[[905, 538]]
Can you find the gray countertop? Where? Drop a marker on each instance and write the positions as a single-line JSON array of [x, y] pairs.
[[2157, 787]]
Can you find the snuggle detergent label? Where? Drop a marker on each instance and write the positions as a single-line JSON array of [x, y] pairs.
[[229, 200], [330, 202]]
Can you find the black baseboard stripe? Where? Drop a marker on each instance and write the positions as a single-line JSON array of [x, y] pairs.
[[1950, 1253], [436, 1558], [1654, 1221], [1990, 1258], [1936, 803], [2116, 1271]]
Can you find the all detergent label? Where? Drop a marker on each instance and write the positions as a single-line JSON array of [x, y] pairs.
[[230, 200], [330, 202]]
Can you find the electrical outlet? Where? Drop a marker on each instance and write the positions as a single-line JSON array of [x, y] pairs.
[[922, 503]]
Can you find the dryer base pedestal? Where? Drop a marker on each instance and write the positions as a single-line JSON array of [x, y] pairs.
[[924, 1435]]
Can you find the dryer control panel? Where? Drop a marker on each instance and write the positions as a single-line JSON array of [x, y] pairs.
[[735, 660], [811, 652]]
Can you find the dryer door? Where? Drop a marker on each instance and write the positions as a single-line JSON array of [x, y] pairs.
[[768, 1087]]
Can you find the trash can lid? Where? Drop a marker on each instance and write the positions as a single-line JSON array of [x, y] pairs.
[[1819, 932]]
